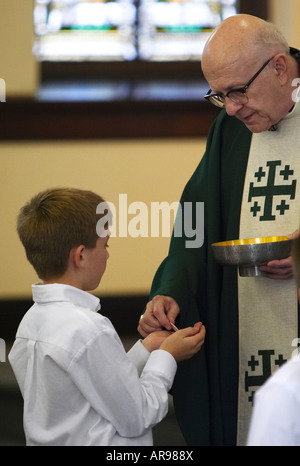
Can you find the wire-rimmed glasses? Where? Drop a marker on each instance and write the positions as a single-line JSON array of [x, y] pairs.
[[238, 96]]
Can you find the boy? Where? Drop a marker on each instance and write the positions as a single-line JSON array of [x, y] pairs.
[[78, 384]]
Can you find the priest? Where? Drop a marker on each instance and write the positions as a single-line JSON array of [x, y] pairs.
[[248, 182]]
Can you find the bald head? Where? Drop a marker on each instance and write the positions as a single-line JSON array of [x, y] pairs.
[[248, 56], [242, 36]]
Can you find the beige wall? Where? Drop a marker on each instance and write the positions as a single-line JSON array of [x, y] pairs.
[[17, 65], [145, 170], [286, 14]]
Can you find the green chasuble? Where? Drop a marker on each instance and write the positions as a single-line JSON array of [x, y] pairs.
[[205, 390]]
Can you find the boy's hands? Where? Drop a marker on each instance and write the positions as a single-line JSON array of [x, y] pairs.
[[185, 343], [182, 344], [155, 339]]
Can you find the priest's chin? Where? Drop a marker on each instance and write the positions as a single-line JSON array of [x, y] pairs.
[[257, 124]]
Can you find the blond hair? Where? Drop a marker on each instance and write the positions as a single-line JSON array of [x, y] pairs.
[[52, 223]]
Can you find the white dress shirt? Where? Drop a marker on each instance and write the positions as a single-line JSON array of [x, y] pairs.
[[276, 415], [79, 385]]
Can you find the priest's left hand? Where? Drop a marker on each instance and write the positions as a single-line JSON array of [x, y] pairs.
[[281, 269]]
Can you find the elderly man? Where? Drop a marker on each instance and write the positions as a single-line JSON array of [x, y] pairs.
[[248, 181]]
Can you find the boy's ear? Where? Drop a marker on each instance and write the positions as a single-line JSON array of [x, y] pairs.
[[77, 255]]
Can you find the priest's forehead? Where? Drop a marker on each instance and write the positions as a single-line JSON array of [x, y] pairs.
[[233, 73]]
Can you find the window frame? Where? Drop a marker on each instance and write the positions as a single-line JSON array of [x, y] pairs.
[[137, 69], [29, 119]]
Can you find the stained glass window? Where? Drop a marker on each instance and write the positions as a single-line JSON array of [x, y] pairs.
[[85, 30], [178, 30], [126, 30]]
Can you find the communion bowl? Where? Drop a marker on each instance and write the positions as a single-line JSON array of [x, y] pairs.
[[249, 254]]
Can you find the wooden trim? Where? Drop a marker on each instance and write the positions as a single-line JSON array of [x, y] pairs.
[[258, 8], [27, 119], [130, 71]]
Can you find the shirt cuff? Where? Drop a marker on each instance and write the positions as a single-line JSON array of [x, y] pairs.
[[163, 362], [138, 355]]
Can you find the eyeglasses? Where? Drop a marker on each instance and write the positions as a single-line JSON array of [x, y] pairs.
[[237, 96]]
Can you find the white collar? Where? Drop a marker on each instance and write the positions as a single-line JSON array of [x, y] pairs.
[[294, 113], [59, 292], [296, 110]]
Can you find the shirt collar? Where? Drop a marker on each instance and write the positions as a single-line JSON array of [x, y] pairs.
[[296, 110], [59, 292]]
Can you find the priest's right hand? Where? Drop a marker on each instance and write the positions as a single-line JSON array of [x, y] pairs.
[[160, 311]]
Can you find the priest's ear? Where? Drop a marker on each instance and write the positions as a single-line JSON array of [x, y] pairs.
[[280, 65]]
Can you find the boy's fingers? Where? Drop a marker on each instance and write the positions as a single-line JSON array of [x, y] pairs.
[[190, 331]]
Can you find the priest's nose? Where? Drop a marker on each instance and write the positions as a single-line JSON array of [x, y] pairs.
[[232, 107]]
